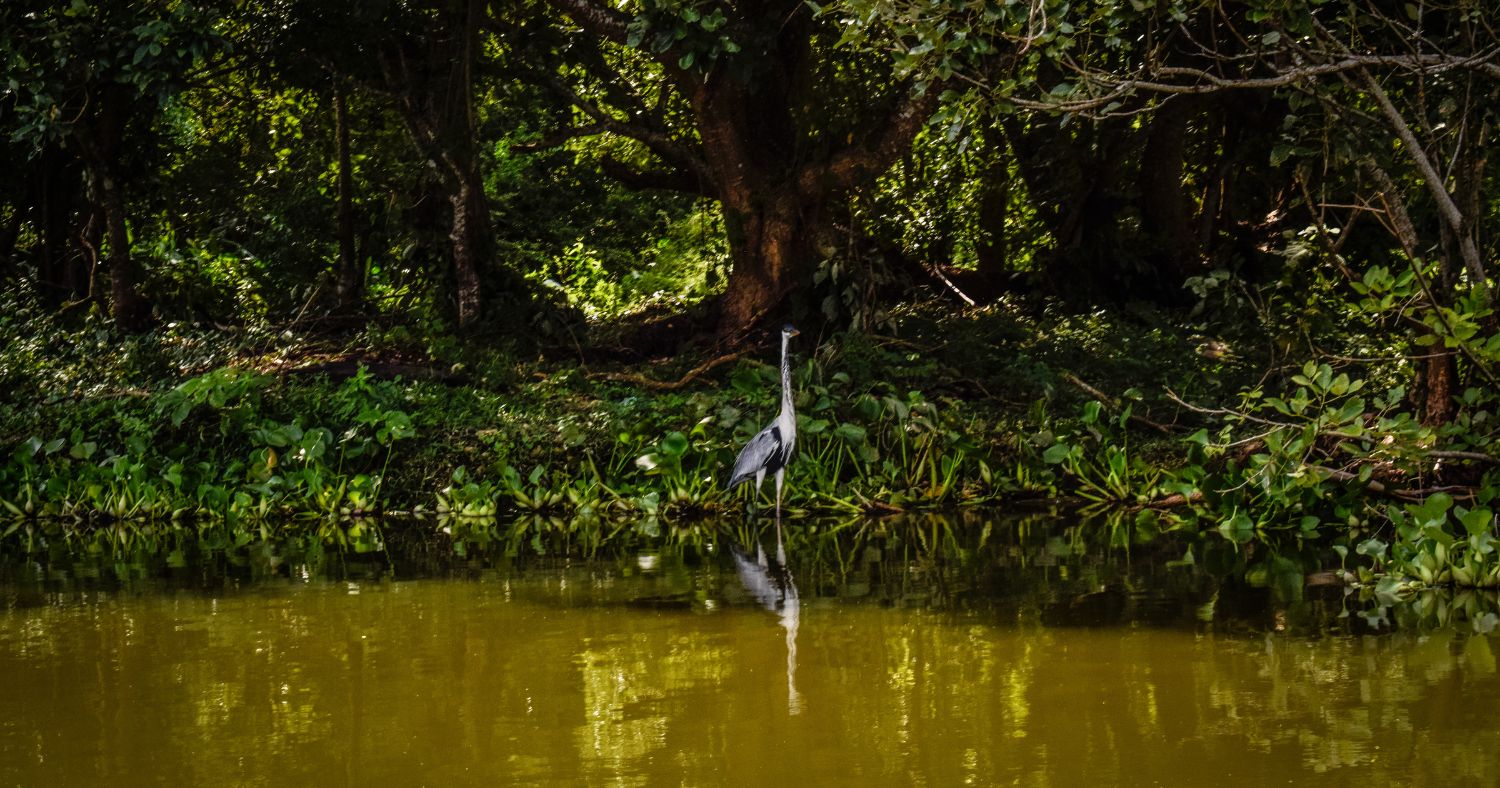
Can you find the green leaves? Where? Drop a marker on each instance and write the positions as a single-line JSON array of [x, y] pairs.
[[1239, 528], [1431, 512], [144, 46], [675, 444], [688, 28], [1057, 453]]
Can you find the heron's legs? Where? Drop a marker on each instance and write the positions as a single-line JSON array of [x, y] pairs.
[[780, 476], [754, 505]]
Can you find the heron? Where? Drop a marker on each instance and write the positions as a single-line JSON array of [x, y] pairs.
[[771, 448]]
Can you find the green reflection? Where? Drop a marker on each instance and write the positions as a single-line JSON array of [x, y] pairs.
[[535, 678], [930, 651]]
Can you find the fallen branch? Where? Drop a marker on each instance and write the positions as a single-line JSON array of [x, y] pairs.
[[1172, 395], [1173, 500], [1456, 490], [1404, 494], [668, 385], [1464, 455], [1114, 403]]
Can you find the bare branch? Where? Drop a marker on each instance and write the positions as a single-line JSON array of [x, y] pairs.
[[671, 180], [1434, 182], [669, 385], [1199, 81]]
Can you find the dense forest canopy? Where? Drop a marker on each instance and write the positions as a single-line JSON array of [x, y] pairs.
[[451, 156]]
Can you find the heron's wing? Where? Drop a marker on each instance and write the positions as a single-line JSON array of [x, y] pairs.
[[755, 456]]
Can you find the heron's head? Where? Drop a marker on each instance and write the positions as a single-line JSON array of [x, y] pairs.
[[789, 331]]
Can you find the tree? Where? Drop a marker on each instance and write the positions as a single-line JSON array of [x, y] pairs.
[[745, 102], [430, 74], [1350, 77], [426, 60], [78, 76]]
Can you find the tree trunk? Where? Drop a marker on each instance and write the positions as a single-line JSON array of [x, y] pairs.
[[747, 140], [83, 265], [1166, 214], [470, 239], [100, 143], [1436, 379], [57, 190], [1436, 388], [761, 150], [992, 252], [770, 248], [350, 274], [128, 307], [434, 83]]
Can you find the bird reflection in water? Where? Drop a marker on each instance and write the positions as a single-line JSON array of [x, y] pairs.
[[770, 582]]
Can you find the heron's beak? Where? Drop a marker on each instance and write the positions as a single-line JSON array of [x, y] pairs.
[[794, 333]]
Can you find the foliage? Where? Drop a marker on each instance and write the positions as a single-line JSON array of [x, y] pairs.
[[57, 58]]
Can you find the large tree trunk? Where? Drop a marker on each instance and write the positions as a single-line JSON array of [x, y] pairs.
[[749, 141], [772, 193], [992, 253], [434, 83], [762, 150], [128, 307], [1072, 176], [770, 246], [57, 198]]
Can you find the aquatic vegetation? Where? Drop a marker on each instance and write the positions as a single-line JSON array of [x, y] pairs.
[[1097, 458], [208, 449]]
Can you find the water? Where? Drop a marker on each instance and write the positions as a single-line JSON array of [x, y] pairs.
[[1010, 658]]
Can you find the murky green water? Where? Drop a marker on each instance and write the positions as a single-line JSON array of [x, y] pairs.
[[871, 665]]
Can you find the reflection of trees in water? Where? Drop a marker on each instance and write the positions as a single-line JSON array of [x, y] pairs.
[[957, 649], [1132, 706], [1055, 569]]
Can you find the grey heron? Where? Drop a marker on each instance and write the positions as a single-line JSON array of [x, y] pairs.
[[771, 448]]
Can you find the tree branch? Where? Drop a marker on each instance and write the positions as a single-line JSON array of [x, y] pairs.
[[669, 385], [1113, 403], [1434, 181], [877, 150], [671, 180], [672, 151], [1207, 82]]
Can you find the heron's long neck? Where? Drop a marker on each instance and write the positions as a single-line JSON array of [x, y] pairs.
[[786, 378]]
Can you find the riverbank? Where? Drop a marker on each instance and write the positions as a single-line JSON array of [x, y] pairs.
[[1017, 402]]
